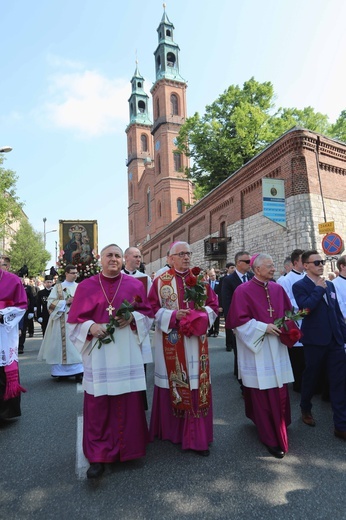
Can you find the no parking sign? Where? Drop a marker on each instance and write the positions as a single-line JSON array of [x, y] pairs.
[[332, 244]]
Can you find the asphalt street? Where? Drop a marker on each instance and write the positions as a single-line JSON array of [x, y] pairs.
[[43, 469]]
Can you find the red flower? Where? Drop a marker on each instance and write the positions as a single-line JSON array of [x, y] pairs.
[[191, 280], [196, 270], [290, 334], [294, 334]]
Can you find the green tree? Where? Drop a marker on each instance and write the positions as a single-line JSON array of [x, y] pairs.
[[27, 248], [236, 127], [338, 130], [10, 206]]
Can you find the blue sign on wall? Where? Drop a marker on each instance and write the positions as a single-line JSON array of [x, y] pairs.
[[274, 203]]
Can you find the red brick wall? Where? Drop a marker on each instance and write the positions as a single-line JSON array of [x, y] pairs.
[[291, 158]]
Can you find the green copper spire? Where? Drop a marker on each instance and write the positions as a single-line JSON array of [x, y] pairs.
[[167, 52], [138, 101]]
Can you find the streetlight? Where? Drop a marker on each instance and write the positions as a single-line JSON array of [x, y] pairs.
[[5, 149], [45, 233]]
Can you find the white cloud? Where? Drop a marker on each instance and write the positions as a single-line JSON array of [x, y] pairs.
[[87, 102]]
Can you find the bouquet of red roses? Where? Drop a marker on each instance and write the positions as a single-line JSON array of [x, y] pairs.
[[195, 288]]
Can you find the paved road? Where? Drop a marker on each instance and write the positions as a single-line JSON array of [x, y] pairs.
[[43, 477]]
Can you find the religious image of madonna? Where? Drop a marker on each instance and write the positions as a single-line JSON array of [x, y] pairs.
[[78, 244]]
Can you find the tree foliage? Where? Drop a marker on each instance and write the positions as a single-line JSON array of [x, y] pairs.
[[27, 248], [10, 206], [239, 125]]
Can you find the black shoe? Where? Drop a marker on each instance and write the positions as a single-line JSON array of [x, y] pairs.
[[209, 334], [276, 451], [229, 349], [78, 378], [96, 470], [203, 453], [20, 351]]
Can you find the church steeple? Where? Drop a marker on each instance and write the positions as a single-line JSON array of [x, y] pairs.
[[167, 52], [138, 101], [159, 191]]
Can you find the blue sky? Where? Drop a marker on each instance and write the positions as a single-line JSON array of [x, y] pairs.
[[65, 82]]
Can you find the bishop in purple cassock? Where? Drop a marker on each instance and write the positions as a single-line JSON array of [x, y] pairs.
[[263, 361], [114, 422]]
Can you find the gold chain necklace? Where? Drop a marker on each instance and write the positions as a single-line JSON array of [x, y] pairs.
[[110, 308]]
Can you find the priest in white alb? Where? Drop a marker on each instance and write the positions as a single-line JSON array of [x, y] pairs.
[[56, 348]]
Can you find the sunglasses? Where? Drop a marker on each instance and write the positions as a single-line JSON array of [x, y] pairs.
[[317, 262], [245, 261]]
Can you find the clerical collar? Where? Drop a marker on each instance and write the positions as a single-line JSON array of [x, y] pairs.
[[259, 282], [129, 272], [296, 272], [111, 277], [181, 273]]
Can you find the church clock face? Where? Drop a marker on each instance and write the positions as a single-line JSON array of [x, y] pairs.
[[130, 176], [157, 145]]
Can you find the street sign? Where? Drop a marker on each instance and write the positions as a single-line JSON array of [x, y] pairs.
[[332, 244], [326, 227]]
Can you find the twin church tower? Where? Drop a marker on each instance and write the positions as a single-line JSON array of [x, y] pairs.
[[158, 189]]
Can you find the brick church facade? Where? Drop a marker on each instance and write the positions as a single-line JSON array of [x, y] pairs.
[[230, 218]]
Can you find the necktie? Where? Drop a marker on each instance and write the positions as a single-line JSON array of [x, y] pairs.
[[244, 278]]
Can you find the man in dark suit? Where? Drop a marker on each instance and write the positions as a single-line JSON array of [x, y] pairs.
[[324, 337], [215, 285], [229, 285], [42, 299]]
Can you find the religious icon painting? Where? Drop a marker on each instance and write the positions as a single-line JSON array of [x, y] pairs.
[[78, 240]]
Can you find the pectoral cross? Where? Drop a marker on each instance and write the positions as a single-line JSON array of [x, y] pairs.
[[110, 309], [270, 310]]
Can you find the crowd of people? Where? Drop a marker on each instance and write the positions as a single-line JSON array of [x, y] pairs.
[[100, 331]]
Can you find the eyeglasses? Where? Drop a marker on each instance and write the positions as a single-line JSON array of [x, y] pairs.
[[317, 262], [245, 261], [71, 272], [182, 254]]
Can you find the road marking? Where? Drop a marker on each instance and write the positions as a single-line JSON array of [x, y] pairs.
[[82, 464]]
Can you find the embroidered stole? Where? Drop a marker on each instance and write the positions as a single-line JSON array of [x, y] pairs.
[[62, 322], [174, 353]]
